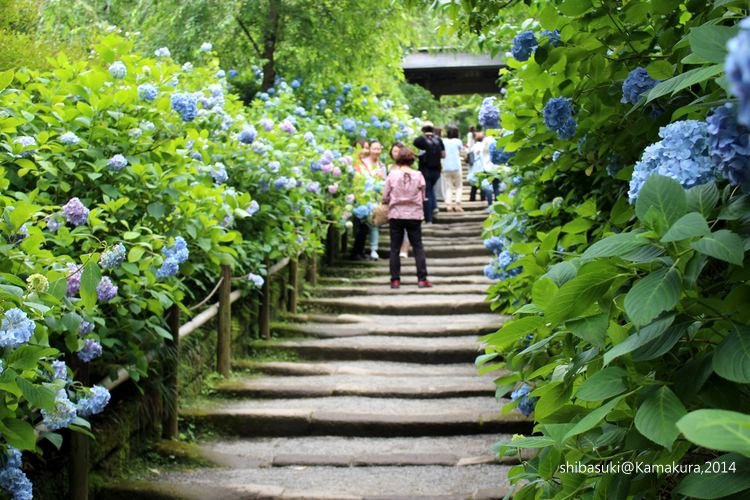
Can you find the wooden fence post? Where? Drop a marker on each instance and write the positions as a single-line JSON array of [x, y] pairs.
[[169, 425], [265, 306], [331, 245], [224, 338], [293, 285], [79, 447], [312, 270]]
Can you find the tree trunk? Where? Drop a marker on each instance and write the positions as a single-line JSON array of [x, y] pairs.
[[270, 40]]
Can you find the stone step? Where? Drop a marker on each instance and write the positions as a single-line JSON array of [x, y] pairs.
[[476, 260], [352, 325], [357, 416], [380, 348], [385, 240], [442, 250], [348, 291], [458, 217], [316, 386], [406, 280], [428, 303], [478, 482], [364, 368], [348, 268]]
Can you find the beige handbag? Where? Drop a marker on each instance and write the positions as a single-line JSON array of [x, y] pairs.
[[380, 214]]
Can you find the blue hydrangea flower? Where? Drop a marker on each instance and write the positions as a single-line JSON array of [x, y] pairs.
[[106, 290], [300, 111], [62, 415], [206, 47], [296, 84], [25, 141], [90, 351], [195, 155], [169, 267], [147, 91], [497, 269], [313, 187], [113, 257], [556, 155], [256, 279], [118, 70], [178, 252], [637, 83], [186, 104], [498, 156], [59, 370], [94, 403], [219, 173], [362, 211], [737, 69], [489, 114], [288, 127], [162, 52], [553, 37], [247, 135], [314, 166], [16, 328], [2, 366], [85, 328], [525, 403], [13, 456], [232, 73], [516, 180], [75, 212], [729, 145], [117, 162], [495, 244], [69, 138], [348, 124], [221, 74], [558, 116], [74, 279], [263, 96], [309, 137], [682, 154], [524, 45], [14, 481], [253, 208]]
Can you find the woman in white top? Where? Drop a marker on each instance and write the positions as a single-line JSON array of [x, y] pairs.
[[452, 170]]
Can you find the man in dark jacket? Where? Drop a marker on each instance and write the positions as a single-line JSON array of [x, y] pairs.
[[433, 151]]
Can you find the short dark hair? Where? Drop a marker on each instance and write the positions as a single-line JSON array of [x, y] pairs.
[[405, 156], [452, 133], [428, 128]]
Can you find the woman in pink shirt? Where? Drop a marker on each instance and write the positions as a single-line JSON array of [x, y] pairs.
[[404, 194]]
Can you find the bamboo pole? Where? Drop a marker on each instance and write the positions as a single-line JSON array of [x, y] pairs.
[[224, 338], [169, 426], [265, 307], [293, 290]]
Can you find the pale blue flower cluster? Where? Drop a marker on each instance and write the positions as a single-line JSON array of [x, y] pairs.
[[94, 403], [362, 211], [558, 116], [117, 162], [162, 52], [219, 173], [16, 328], [221, 74], [85, 328], [288, 127], [296, 84], [69, 138], [186, 104], [497, 269], [495, 244], [62, 415], [267, 124], [233, 73], [525, 403], [113, 257], [206, 47], [516, 180], [682, 154], [106, 290], [118, 70], [348, 124], [737, 69], [489, 114], [553, 37], [313, 187], [75, 212], [253, 208], [637, 83], [524, 45], [147, 91], [256, 279], [90, 351], [60, 371], [175, 255], [300, 111], [729, 145], [12, 479], [25, 141], [247, 135]]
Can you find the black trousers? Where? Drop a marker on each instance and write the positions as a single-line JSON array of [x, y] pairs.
[[413, 229], [360, 230]]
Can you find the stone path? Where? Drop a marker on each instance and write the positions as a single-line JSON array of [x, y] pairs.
[[379, 397]]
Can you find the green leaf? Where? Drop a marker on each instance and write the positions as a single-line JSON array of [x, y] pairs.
[[603, 384], [723, 245], [135, 253], [54, 438], [614, 246], [732, 357], [592, 419], [156, 210], [592, 329], [529, 442], [660, 69], [641, 337], [579, 293], [549, 17], [657, 417], [652, 295], [661, 345], [710, 41], [691, 225], [514, 330], [703, 198], [574, 8], [663, 194], [5, 78], [684, 80], [543, 292], [38, 396], [718, 430], [561, 273], [722, 483], [89, 281], [18, 433]]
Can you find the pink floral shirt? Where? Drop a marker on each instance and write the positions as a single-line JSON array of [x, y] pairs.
[[404, 193]]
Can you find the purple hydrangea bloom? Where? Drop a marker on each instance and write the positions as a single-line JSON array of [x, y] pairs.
[[267, 124], [85, 328], [16, 328], [106, 290], [309, 137], [75, 212], [59, 370], [288, 127], [333, 188], [90, 351], [558, 116], [94, 403], [637, 83], [349, 198], [117, 162], [118, 70], [729, 145], [113, 257], [737, 69], [489, 114], [525, 403], [186, 104], [524, 45], [63, 414], [313, 187], [147, 91], [74, 279]]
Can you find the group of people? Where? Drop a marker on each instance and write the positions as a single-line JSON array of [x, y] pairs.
[[410, 194]]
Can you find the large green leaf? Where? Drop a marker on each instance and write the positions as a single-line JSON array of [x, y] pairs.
[[89, 280], [684, 80], [543, 292], [603, 384], [615, 246], [641, 337], [665, 196], [658, 415], [579, 293], [691, 225], [575, 8], [18, 433], [652, 295], [718, 430], [703, 198], [718, 478], [593, 418], [592, 329], [660, 345], [723, 245], [38, 396], [732, 358], [710, 41], [514, 330], [561, 273]]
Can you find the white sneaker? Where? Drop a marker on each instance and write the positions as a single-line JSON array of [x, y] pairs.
[[374, 255], [402, 255]]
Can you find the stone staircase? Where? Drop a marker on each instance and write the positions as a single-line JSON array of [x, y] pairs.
[[377, 396]]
